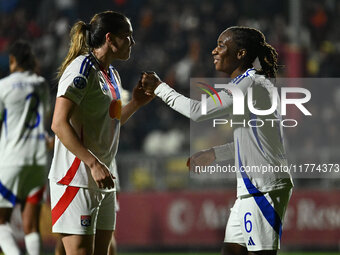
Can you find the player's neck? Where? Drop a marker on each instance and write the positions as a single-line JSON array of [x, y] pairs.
[[237, 72], [102, 57], [17, 69]]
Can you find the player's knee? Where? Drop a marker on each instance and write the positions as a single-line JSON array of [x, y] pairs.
[[226, 249], [271, 252], [78, 244], [3, 221], [233, 249], [80, 251], [29, 226], [85, 251]]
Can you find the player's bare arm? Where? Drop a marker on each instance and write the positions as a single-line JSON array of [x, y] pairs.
[[139, 98], [206, 157], [64, 131]]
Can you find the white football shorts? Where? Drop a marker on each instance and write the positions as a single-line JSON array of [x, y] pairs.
[[81, 211], [255, 221], [21, 184]]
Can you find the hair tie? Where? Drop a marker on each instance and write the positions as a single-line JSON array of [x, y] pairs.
[[88, 26]]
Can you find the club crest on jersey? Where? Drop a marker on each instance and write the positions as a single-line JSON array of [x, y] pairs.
[[85, 220], [103, 85], [79, 82]]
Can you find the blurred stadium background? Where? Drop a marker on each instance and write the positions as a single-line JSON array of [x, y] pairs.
[[161, 207]]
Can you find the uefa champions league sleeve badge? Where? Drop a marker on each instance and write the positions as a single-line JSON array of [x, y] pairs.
[[80, 82]]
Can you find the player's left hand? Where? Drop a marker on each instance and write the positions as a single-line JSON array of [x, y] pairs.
[[201, 158], [139, 95], [150, 82]]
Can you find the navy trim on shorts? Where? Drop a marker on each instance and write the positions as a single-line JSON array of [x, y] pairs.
[[266, 208]]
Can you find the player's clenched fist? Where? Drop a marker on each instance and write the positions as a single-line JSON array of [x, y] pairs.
[[201, 158], [139, 95], [150, 82]]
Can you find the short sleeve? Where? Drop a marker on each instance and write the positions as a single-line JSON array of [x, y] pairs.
[[73, 83]]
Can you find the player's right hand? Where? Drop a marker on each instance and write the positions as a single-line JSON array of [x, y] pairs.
[[139, 95], [201, 158], [150, 82], [102, 175]]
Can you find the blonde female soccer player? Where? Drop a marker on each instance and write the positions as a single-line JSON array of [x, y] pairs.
[[87, 118]]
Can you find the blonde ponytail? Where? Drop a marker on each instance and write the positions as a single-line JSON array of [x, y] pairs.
[[78, 45]]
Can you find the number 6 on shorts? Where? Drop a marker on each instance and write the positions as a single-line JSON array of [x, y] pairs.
[[247, 223]]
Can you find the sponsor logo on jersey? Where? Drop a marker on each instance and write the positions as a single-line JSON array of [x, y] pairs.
[[85, 220], [79, 82], [251, 241], [115, 110]]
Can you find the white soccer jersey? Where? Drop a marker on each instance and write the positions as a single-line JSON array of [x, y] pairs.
[[24, 99], [255, 147], [96, 120]]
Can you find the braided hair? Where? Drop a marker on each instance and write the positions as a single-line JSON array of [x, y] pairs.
[[254, 42]]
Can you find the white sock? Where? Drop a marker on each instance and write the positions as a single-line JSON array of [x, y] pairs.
[[7, 242], [33, 243]]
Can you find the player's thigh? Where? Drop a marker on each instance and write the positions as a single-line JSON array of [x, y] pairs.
[[5, 215], [233, 231], [261, 218], [106, 222], [33, 192], [19, 183], [78, 244], [59, 247], [106, 219], [30, 217], [8, 192], [102, 241], [74, 209], [234, 249], [32, 183], [9, 183]]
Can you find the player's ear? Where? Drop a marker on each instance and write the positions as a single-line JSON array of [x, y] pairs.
[[12, 63], [12, 59], [241, 54], [111, 39]]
